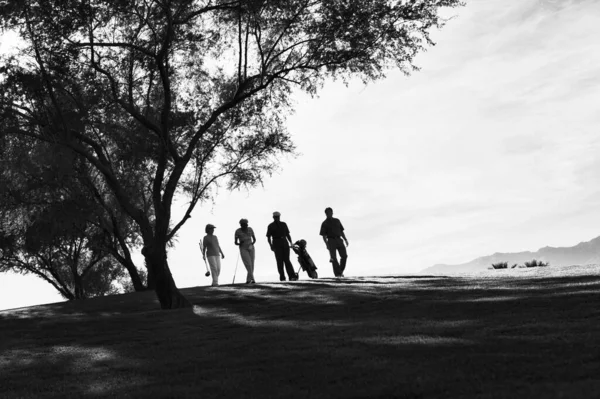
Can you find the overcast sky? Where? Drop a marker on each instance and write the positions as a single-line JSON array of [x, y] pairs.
[[492, 147]]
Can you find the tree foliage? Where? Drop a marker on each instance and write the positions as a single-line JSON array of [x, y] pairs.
[[49, 226], [168, 97], [57, 244]]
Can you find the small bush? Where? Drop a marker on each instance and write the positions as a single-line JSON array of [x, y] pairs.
[[500, 265], [514, 266], [542, 264], [536, 263]]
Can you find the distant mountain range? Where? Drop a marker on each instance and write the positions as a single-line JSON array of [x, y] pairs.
[[583, 253]]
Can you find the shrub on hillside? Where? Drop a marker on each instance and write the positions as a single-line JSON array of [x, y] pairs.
[[514, 266], [500, 265], [536, 263]]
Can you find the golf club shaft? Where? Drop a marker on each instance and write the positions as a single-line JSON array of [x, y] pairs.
[[235, 271]]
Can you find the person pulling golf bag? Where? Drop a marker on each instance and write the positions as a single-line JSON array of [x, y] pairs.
[[306, 262]]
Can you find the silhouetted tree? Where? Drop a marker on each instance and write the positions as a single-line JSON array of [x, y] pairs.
[[49, 226], [54, 244], [38, 177], [165, 97]]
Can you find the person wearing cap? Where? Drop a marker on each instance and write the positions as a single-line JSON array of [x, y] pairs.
[[244, 237], [278, 236], [333, 233], [211, 250]]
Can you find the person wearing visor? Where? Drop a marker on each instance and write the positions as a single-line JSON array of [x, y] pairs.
[[244, 237], [211, 250], [278, 236]]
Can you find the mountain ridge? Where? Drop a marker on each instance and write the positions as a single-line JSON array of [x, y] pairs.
[[586, 252]]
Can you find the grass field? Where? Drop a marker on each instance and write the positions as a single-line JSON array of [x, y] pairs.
[[499, 334]]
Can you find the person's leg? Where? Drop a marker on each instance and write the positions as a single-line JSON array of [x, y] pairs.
[[279, 257], [245, 255], [288, 263], [252, 256], [218, 268], [331, 246], [343, 255], [212, 263]]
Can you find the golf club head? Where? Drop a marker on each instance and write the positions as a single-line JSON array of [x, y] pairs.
[[207, 274]]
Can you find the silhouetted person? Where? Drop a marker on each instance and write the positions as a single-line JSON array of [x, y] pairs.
[[333, 233], [211, 250], [244, 237], [278, 236]]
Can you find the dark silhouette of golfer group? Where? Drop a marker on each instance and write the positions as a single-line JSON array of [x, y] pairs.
[[280, 241]]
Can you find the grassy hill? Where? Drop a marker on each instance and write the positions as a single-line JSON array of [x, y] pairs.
[[519, 333]]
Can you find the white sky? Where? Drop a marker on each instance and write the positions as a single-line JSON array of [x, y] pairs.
[[489, 148]]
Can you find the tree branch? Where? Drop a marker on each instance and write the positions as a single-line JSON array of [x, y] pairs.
[[220, 7]]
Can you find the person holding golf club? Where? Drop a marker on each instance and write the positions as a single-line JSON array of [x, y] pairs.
[[211, 250], [244, 237], [333, 233], [278, 236]]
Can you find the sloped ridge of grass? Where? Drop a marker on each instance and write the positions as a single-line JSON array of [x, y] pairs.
[[361, 337]]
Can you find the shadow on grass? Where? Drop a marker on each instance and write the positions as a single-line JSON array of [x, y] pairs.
[[365, 337]]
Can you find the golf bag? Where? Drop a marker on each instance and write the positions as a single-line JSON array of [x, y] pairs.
[[306, 262]]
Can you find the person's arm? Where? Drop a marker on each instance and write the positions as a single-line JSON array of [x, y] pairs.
[[237, 239], [289, 238], [203, 248], [323, 233], [253, 237], [343, 235], [269, 238], [220, 250]]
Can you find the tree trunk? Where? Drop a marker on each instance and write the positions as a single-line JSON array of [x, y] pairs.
[[136, 280], [167, 292], [151, 279], [78, 283]]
